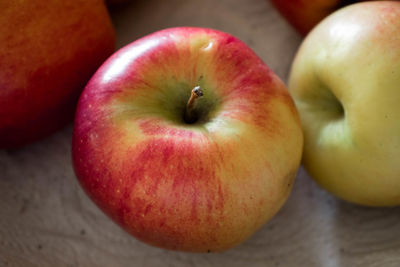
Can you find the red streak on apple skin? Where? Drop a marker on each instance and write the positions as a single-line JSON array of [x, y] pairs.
[[144, 190], [177, 164], [248, 86], [152, 127], [161, 178]]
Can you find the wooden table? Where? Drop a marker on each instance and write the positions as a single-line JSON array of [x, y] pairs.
[[47, 220]]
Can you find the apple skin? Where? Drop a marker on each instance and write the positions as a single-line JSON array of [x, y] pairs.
[[196, 187], [345, 81], [303, 15], [114, 3], [48, 52]]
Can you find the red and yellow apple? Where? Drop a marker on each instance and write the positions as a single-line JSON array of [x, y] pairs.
[[48, 51], [200, 184], [345, 80], [305, 14]]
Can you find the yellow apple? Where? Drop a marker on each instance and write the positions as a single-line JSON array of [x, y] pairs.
[[346, 84]]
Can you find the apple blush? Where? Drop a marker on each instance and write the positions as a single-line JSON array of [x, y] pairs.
[[187, 140]]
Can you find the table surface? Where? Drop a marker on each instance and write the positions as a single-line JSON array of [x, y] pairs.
[[47, 220]]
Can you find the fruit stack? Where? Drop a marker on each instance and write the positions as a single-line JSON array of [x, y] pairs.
[[185, 137]]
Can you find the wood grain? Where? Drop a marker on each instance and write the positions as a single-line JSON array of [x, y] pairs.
[[47, 220]]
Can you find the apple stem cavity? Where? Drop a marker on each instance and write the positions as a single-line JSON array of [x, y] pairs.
[[190, 115]]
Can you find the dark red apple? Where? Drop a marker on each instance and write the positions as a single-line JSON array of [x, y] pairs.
[[48, 51], [305, 14]]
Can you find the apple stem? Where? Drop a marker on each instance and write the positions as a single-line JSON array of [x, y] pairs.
[[190, 117]]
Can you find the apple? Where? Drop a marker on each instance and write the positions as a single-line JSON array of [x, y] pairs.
[[48, 51], [305, 14], [187, 140], [345, 81]]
